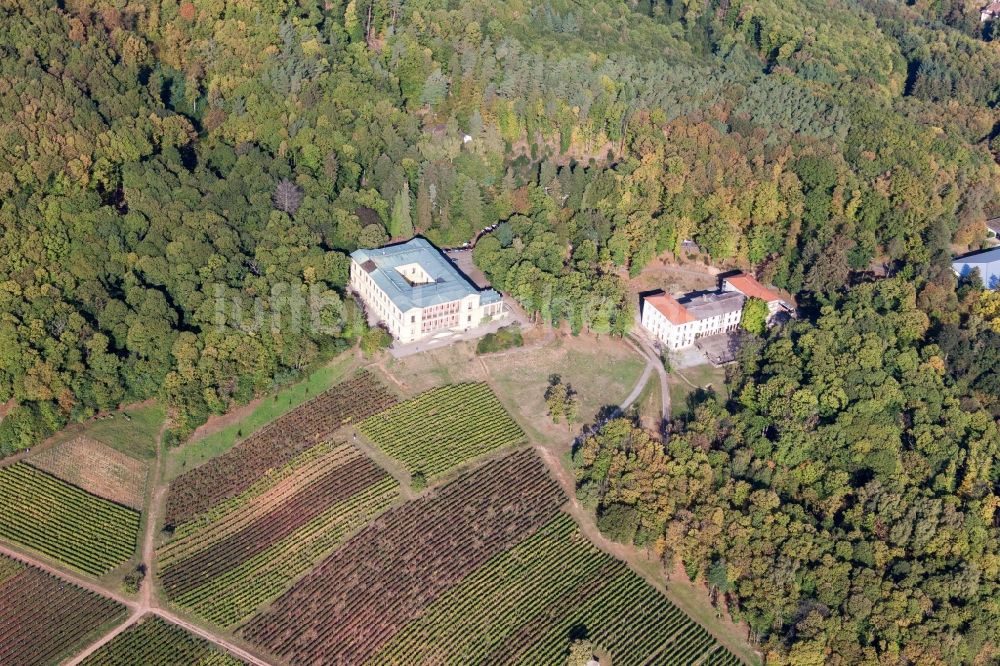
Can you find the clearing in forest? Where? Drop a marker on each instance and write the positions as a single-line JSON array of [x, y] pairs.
[[52, 517], [486, 569], [44, 619], [96, 468], [245, 551], [153, 641], [442, 428], [274, 445]]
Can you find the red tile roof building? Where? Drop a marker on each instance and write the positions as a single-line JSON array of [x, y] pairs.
[[678, 323], [751, 288], [668, 306]]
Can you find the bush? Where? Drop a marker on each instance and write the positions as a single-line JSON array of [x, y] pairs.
[[133, 580], [375, 340], [506, 338]]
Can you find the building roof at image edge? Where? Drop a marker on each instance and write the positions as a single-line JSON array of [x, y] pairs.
[[987, 263], [449, 284]]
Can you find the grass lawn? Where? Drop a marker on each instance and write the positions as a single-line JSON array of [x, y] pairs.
[[134, 436], [649, 403], [197, 451], [703, 375], [603, 372]]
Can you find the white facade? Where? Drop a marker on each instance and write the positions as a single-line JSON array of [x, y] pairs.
[[677, 325], [420, 322]]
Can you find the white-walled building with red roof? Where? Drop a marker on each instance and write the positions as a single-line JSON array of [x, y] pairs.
[[678, 323], [751, 288]]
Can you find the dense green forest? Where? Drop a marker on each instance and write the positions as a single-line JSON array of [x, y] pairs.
[[159, 158], [843, 502], [156, 157]]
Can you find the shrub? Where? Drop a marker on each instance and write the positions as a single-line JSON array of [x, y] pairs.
[[506, 338], [133, 579], [619, 522], [374, 340]]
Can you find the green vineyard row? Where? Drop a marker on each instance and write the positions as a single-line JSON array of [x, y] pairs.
[[59, 520], [443, 428]]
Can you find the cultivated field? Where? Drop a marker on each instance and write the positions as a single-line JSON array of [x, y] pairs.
[[221, 433], [274, 445], [155, 642], [522, 605], [52, 517], [43, 618], [245, 551], [384, 577], [96, 468], [487, 570], [443, 428]]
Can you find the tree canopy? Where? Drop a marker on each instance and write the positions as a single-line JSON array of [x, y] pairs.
[[161, 162], [843, 499]]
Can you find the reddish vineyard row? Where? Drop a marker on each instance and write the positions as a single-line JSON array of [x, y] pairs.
[[349, 606], [275, 444], [524, 605], [42, 618], [294, 511]]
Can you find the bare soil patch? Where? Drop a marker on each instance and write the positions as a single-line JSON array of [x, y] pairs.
[[96, 468], [674, 277]]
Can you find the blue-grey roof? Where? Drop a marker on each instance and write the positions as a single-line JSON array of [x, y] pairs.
[[987, 262], [449, 283]]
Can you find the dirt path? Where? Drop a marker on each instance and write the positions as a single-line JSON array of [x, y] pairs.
[[644, 346], [395, 470], [147, 602], [105, 639], [157, 494], [211, 637], [639, 386], [145, 605], [217, 422], [582, 517]]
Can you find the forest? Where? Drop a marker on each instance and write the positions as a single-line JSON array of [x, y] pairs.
[[160, 158], [156, 158], [843, 501]]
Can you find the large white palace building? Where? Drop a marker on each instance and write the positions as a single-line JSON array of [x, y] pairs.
[[416, 291]]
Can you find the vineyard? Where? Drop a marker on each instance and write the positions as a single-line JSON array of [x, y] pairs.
[[521, 606], [442, 428], [96, 468], [387, 575], [485, 570], [155, 642], [59, 520], [42, 618], [245, 552], [274, 445]]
